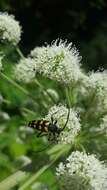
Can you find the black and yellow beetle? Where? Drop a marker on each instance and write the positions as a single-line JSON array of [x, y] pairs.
[[50, 129]]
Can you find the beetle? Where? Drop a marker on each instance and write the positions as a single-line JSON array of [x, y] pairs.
[[46, 127]]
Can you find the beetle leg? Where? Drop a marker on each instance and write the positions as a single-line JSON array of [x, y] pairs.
[[52, 119], [38, 135], [49, 135], [53, 137], [55, 122], [41, 134]]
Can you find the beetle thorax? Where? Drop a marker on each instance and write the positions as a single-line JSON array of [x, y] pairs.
[[54, 128]]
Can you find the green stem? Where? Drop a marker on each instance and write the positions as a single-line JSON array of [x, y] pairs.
[[68, 96], [25, 172], [16, 85], [40, 172], [34, 177], [28, 111], [13, 180], [44, 91], [6, 101], [19, 52], [88, 113]]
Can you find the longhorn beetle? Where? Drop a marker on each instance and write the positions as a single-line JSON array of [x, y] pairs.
[[48, 128]]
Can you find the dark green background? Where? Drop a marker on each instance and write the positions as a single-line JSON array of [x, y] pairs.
[[84, 22]]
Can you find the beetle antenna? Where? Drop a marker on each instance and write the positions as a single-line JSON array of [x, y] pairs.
[[46, 147], [67, 119]]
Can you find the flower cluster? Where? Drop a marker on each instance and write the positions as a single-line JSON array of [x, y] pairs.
[[60, 62], [96, 89], [96, 81], [72, 128], [25, 70], [10, 30], [82, 172]]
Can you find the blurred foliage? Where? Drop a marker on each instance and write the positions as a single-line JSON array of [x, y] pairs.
[[20, 103], [83, 22]]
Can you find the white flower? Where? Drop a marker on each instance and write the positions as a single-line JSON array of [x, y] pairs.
[[96, 80], [82, 172], [60, 62], [10, 30], [72, 128], [25, 70], [95, 87]]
